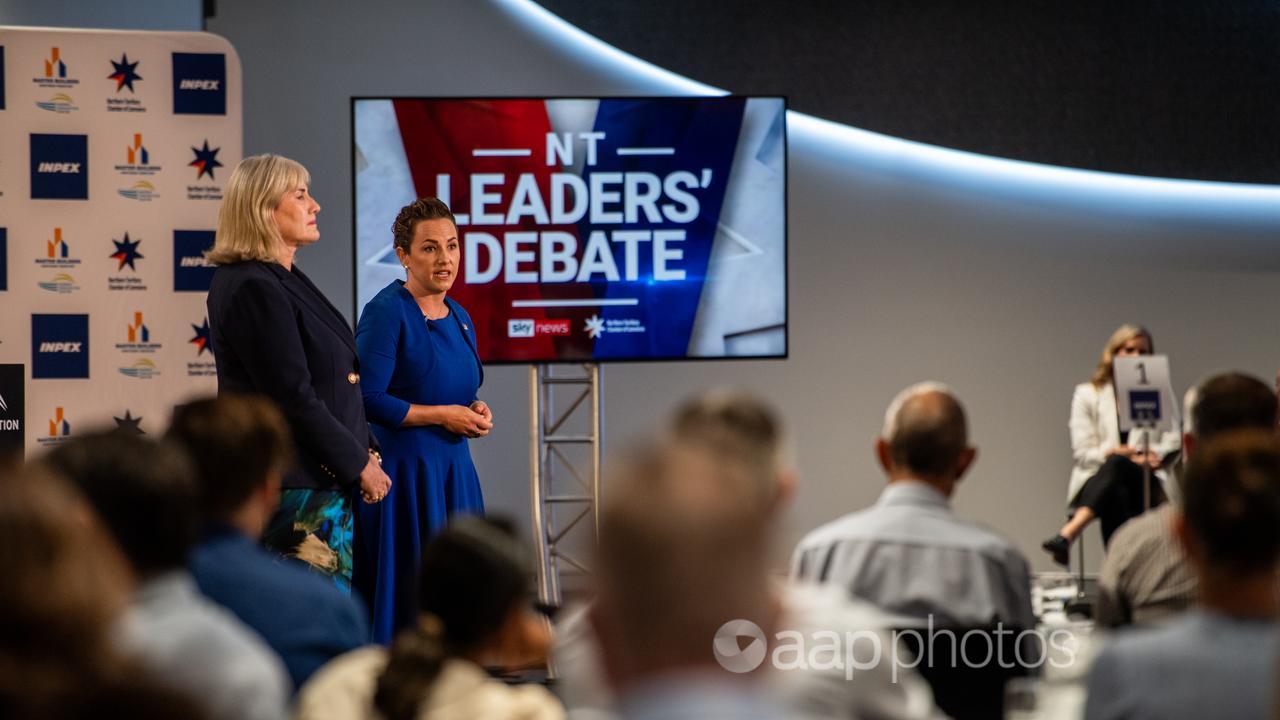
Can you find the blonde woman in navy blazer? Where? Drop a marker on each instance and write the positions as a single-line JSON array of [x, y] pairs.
[[274, 334]]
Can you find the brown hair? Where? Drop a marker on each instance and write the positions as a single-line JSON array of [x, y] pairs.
[[235, 443], [1122, 335], [1231, 501], [410, 215], [63, 589]]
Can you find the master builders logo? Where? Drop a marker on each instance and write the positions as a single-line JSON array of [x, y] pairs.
[[55, 72], [59, 429]]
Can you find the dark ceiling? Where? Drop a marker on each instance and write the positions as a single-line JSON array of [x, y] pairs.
[[1171, 89]]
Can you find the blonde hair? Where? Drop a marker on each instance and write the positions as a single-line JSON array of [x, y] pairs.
[[1122, 335], [246, 228]]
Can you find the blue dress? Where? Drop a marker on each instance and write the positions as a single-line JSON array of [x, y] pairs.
[[406, 358]]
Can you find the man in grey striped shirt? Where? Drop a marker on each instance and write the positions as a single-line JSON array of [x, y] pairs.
[[1145, 576], [909, 553]]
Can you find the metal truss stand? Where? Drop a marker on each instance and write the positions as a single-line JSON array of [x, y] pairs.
[[566, 442]]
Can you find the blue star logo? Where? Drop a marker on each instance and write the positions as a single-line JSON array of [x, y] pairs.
[[125, 73], [201, 340], [206, 160], [127, 252]]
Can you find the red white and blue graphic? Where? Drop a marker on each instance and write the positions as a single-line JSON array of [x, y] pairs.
[[591, 229], [59, 167], [201, 338], [59, 346], [125, 74], [206, 161], [199, 83], [126, 253]]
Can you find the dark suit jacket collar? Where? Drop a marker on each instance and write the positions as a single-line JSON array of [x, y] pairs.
[[302, 288]]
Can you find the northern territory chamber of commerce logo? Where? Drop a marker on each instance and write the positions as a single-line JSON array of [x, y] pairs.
[[204, 365], [191, 271], [206, 163], [59, 167], [59, 346], [129, 424], [124, 73], [199, 84], [56, 73], [126, 255]]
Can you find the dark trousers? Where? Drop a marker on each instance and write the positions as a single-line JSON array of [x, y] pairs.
[[1114, 494]]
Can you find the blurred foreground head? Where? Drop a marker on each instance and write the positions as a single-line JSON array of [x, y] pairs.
[[63, 590], [682, 551], [741, 427], [144, 491]]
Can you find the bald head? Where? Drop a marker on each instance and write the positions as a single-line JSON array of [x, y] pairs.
[[925, 433]]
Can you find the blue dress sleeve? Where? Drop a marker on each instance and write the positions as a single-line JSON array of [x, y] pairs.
[[377, 338]]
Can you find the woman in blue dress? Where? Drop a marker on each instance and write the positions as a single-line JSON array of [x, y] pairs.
[[420, 374]]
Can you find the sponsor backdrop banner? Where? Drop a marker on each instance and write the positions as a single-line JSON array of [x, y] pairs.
[[115, 149], [590, 229]]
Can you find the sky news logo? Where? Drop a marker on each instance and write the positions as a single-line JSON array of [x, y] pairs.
[[199, 84], [191, 271], [59, 167], [59, 346], [527, 328]]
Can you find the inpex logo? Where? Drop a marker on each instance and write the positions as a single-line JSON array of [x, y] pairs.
[[520, 328], [59, 167], [199, 84], [59, 346], [191, 272]]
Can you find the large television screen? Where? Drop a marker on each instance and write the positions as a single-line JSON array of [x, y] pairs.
[[590, 229]]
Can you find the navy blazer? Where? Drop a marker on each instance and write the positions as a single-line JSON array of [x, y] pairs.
[[274, 333]]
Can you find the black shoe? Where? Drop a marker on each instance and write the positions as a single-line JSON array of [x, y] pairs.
[[1059, 547]]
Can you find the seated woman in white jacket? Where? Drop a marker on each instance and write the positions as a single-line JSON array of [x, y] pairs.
[[473, 599], [1106, 478]]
